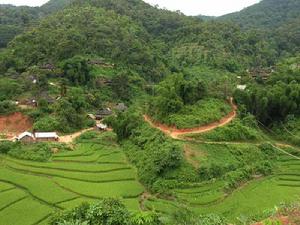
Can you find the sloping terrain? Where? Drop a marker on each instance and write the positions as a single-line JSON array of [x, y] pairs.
[[92, 171], [14, 124]]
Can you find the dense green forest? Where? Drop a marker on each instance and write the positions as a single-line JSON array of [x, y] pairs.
[[69, 59], [278, 19], [15, 20], [268, 14]]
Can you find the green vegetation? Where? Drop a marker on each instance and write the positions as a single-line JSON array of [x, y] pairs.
[[182, 101], [275, 99], [70, 58], [36, 152], [67, 176], [108, 211], [239, 130], [203, 112]]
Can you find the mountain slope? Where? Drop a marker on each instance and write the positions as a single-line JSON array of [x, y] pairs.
[[268, 14], [15, 19], [86, 30]]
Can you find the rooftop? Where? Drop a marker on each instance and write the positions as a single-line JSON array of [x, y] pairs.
[[46, 135]]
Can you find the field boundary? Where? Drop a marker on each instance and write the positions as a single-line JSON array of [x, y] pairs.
[[12, 203]]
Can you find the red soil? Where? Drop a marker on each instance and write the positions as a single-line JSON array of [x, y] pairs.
[[285, 220], [14, 124], [174, 132]]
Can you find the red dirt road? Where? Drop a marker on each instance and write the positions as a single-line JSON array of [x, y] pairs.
[[175, 133], [14, 124]]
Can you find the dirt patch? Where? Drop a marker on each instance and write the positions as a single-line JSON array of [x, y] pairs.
[[175, 133], [143, 198], [70, 138], [190, 156], [14, 124], [284, 220]]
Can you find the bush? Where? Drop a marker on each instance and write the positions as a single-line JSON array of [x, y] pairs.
[[264, 168], [7, 107], [185, 216], [213, 170], [269, 151], [87, 135], [235, 131], [6, 146], [235, 178], [107, 211], [149, 149], [145, 218], [36, 152], [45, 124]]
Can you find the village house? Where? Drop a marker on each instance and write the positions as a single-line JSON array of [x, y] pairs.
[[121, 107], [241, 87], [101, 126], [91, 116], [28, 102], [261, 73], [46, 136], [27, 137], [103, 113]]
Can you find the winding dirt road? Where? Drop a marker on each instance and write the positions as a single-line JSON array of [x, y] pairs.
[[70, 138], [175, 133]]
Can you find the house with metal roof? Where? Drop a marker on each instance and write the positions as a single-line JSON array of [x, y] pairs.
[[26, 137], [46, 136], [103, 113]]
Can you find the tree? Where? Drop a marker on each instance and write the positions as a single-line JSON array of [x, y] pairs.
[[77, 70], [120, 86]]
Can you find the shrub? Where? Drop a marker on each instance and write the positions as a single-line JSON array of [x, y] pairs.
[[107, 211], [88, 135], [269, 151], [35, 152], [264, 168], [235, 131], [235, 178], [6, 146], [185, 216], [214, 170], [145, 218], [45, 124], [7, 107]]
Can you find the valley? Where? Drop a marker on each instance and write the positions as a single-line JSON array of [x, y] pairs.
[[117, 112]]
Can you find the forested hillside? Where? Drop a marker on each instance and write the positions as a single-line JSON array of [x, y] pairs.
[[168, 39], [278, 19], [185, 120], [14, 20], [267, 14]]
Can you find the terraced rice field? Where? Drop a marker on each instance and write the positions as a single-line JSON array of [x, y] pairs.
[[251, 199], [91, 172]]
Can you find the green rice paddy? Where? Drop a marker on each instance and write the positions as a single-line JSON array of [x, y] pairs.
[[87, 174], [249, 200], [97, 170]]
